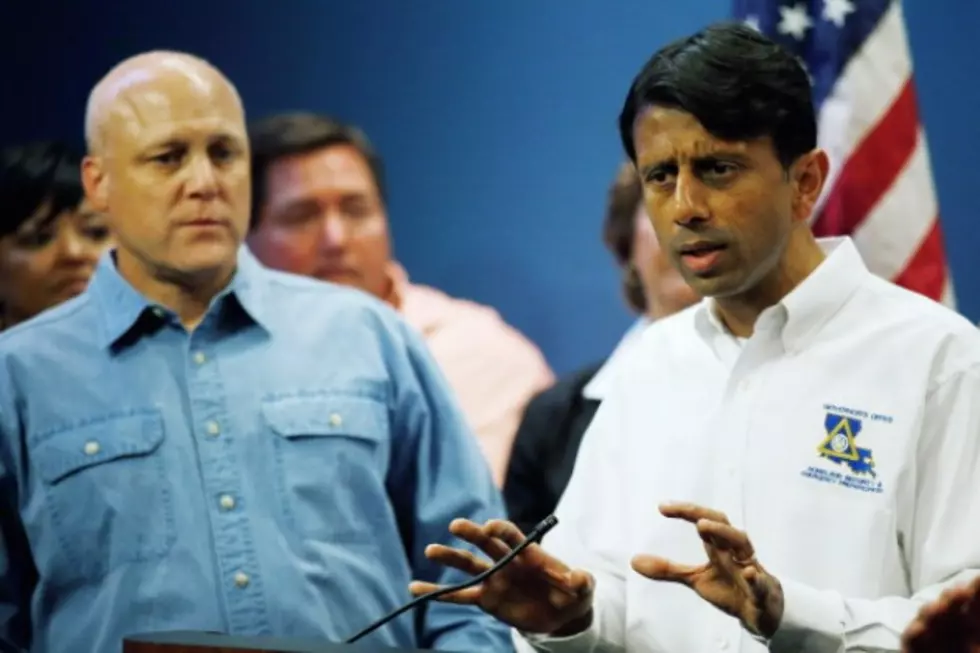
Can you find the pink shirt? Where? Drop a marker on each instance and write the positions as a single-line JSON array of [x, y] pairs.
[[493, 369]]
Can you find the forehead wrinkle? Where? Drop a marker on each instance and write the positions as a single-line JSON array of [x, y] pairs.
[[125, 114], [106, 98], [700, 149], [137, 77], [680, 135], [194, 74]]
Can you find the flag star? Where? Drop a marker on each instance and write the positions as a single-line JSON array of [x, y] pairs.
[[794, 21], [836, 11], [753, 22]]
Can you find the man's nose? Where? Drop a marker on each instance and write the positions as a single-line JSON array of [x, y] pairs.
[[334, 231], [689, 199], [203, 180]]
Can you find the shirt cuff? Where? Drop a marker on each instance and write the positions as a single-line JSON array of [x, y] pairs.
[[813, 621], [583, 642]]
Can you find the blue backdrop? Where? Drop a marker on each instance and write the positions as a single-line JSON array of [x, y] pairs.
[[497, 121]]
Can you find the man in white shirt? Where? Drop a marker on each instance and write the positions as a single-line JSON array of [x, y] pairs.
[[815, 426]]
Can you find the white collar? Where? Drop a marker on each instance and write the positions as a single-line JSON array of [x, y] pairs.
[[598, 387], [802, 312]]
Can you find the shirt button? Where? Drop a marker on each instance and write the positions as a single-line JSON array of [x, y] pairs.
[[744, 385], [723, 645], [199, 357], [227, 502], [91, 448], [213, 429], [241, 578], [336, 419]]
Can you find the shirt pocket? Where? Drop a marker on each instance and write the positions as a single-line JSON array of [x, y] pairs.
[[329, 453], [835, 537], [107, 491]]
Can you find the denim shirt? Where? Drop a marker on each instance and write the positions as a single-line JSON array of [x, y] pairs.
[[277, 471]]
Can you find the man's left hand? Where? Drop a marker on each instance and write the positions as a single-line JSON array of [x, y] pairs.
[[732, 580]]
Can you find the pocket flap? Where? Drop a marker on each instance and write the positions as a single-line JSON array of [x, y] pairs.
[[95, 442], [327, 415]]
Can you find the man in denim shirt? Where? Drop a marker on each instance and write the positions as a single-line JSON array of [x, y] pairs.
[[199, 443]]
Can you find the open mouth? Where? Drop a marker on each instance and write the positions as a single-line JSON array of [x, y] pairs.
[[701, 257]]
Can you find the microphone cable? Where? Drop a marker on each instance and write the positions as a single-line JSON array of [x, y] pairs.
[[535, 535]]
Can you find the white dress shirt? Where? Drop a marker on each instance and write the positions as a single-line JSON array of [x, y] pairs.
[[842, 437]]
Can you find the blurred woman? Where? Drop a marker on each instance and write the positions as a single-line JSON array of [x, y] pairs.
[[50, 241]]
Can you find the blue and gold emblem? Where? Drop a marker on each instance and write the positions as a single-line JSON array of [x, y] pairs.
[[839, 445]]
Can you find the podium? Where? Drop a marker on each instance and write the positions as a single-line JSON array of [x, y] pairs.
[[203, 642]]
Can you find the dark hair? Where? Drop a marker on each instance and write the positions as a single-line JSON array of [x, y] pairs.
[[739, 84], [40, 174], [287, 134], [619, 229]]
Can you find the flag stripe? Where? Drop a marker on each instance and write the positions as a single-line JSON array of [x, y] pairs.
[[870, 170], [949, 294], [926, 272], [827, 64], [890, 235], [863, 93]]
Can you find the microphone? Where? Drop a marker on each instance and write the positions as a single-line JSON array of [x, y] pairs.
[[535, 535]]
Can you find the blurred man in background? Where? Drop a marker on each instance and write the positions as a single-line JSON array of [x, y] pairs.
[[50, 238], [320, 210], [548, 439]]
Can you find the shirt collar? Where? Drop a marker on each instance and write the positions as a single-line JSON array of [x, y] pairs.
[[809, 306], [122, 307], [599, 386], [397, 285]]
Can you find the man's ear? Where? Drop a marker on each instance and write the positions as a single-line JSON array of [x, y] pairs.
[[809, 174], [95, 182]]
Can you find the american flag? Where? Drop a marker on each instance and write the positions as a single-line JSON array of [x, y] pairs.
[[880, 190]]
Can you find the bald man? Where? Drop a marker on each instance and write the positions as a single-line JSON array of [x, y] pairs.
[[200, 443]]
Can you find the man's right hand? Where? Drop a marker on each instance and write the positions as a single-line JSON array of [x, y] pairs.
[[535, 592], [950, 624]]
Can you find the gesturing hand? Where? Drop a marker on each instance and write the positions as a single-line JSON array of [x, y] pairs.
[[950, 624], [535, 593], [732, 580]]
